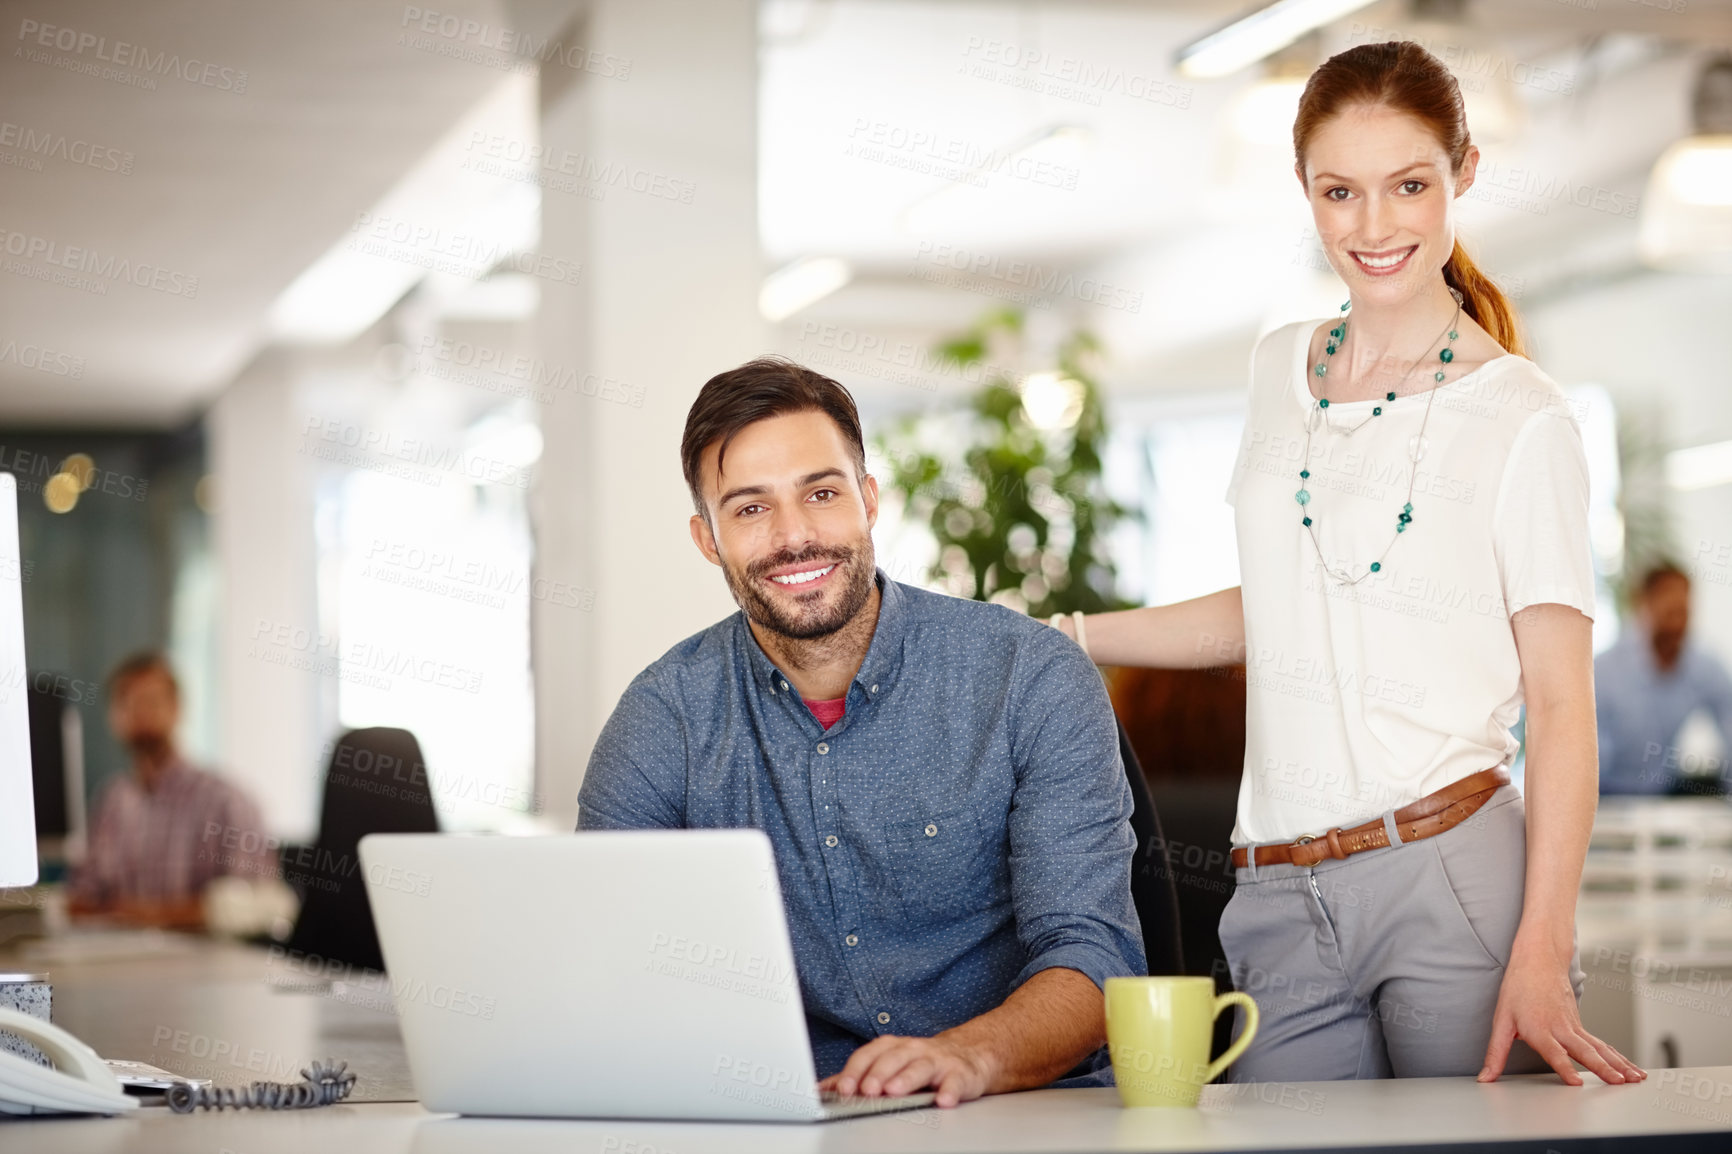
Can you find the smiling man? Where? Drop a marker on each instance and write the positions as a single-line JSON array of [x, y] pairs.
[[940, 778]]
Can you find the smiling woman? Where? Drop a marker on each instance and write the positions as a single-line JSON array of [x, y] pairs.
[[1362, 486]]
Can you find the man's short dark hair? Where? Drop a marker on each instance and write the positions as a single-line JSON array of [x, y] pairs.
[[1662, 571], [757, 390], [136, 666]]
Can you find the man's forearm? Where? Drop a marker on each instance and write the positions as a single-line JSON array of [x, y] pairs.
[[1049, 1024], [180, 914]]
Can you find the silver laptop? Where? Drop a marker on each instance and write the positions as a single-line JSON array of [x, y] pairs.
[[598, 975]]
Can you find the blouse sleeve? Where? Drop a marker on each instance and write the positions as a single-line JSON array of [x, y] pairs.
[[1540, 523], [1269, 359]]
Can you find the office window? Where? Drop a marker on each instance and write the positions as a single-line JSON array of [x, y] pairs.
[[1173, 458], [425, 587]]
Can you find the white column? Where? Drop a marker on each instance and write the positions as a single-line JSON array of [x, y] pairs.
[[262, 534], [669, 299]]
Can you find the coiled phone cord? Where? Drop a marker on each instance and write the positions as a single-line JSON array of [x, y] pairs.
[[324, 1085]]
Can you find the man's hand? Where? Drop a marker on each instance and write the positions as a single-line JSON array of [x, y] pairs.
[[892, 1066], [1047, 1025], [1536, 1004]]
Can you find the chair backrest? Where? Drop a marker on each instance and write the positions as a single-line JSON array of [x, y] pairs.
[[376, 783], [1152, 888], [1190, 724]]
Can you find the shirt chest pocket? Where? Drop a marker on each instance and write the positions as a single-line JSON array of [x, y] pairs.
[[946, 862]]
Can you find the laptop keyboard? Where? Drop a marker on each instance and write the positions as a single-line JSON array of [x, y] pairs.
[[857, 1104]]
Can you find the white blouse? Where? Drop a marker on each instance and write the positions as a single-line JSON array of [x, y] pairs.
[[1364, 697]]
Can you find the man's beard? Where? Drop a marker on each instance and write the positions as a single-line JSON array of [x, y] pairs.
[[854, 567], [1668, 644], [149, 746]]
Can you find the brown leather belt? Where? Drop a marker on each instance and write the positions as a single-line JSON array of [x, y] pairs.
[[1427, 817]]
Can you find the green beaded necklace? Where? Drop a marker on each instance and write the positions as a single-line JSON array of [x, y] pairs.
[[1319, 414]]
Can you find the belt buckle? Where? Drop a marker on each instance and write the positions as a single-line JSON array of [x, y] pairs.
[[1305, 858]]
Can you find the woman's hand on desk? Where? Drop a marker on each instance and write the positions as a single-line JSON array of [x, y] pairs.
[[1536, 1004], [892, 1066]]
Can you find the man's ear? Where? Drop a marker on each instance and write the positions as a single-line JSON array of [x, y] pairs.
[[869, 495], [705, 539]]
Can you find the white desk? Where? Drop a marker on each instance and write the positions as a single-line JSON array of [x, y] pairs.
[[137, 1007], [1537, 1109]]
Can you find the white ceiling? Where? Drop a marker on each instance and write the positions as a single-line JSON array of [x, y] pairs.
[[242, 190], [1169, 200], [245, 190]]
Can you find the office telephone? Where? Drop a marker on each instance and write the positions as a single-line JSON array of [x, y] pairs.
[[84, 1084], [80, 1084]]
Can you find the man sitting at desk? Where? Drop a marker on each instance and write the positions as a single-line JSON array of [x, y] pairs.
[[940, 777], [164, 831]]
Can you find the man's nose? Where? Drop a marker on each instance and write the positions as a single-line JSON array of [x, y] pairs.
[[791, 526]]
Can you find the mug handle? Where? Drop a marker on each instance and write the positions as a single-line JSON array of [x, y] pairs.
[[1236, 998]]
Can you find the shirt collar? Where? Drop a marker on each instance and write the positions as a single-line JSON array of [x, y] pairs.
[[883, 656], [173, 769]]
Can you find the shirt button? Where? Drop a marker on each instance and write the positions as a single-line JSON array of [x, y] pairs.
[[883, 1018], [931, 830], [833, 843], [874, 689], [784, 685], [823, 747], [852, 939]]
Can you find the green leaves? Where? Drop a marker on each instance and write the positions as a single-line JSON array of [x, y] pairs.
[[1019, 512]]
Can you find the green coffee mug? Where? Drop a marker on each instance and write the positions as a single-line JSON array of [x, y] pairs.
[[1158, 1033]]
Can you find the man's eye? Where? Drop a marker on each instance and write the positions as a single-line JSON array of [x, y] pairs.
[[823, 495], [745, 509]]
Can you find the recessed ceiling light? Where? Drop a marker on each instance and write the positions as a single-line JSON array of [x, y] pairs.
[[1265, 31], [803, 283]]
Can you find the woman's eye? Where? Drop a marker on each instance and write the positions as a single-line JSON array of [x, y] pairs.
[[1337, 193], [1413, 187]]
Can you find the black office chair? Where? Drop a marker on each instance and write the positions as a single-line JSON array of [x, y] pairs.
[[376, 783], [1152, 888]]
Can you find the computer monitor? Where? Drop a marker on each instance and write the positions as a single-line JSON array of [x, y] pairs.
[[57, 756], [17, 794]]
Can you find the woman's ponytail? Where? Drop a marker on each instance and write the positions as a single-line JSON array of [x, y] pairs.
[[1484, 301]]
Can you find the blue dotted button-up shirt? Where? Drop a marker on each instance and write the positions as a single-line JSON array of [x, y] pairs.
[[963, 827]]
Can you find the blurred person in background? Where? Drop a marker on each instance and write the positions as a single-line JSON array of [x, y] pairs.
[[165, 830], [1648, 684]]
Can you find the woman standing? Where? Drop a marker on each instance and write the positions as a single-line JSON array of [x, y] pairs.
[[1411, 500]]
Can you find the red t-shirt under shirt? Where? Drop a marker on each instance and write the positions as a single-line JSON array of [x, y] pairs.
[[829, 712]]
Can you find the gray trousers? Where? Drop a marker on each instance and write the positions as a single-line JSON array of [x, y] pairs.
[[1386, 963]]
